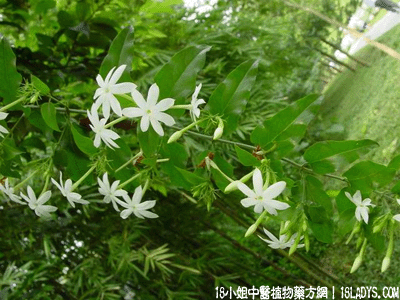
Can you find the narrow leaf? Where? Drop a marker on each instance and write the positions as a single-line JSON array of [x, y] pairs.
[[10, 79], [84, 143], [281, 122], [230, 97], [49, 115], [120, 53], [40, 85], [246, 158]]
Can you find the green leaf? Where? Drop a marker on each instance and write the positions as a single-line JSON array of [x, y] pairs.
[[326, 157], [36, 119], [246, 158], [177, 78], [40, 85], [226, 167], [365, 174], [343, 203], [84, 143], [346, 221], [315, 193], [230, 97], [323, 232], [9, 149], [10, 79], [49, 115], [155, 6], [148, 141], [120, 53], [395, 163], [282, 121], [190, 177]]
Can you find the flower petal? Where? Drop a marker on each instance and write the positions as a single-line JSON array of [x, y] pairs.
[[100, 81], [357, 197], [44, 198], [157, 127], [122, 88], [126, 213], [246, 190], [107, 79], [133, 112], [165, 118], [248, 202], [148, 214], [117, 74], [276, 204], [144, 123], [397, 217], [275, 190], [116, 107], [270, 235], [139, 99], [153, 94], [165, 104], [258, 182]]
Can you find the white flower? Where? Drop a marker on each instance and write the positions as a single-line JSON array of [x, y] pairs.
[[9, 191], [282, 243], [66, 191], [106, 135], [395, 217], [150, 110], [134, 206], [195, 110], [110, 192], [260, 198], [37, 204], [105, 93], [3, 115], [362, 209]]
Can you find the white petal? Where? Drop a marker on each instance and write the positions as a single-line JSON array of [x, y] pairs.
[[153, 94], [364, 214], [44, 198], [107, 80], [348, 195], [246, 190], [165, 118], [258, 182], [137, 196], [116, 107], [148, 214], [147, 204], [358, 214], [3, 115], [117, 74], [165, 104], [139, 100], [258, 208], [133, 112], [276, 204], [100, 81], [97, 141], [248, 202], [57, 185], [122, 88], [156, 126], [357, 197], [275, 190], [144, 123], [126, 213], [3, 129], [270, 235], [31, 194], [397, 217], [106, 106]]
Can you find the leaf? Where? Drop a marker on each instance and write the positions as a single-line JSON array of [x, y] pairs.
[[395, 163], [282, 121], [120, 53], [315, 193], [323, 232], [177, 78], [246, 158], [365, 174], [10, 79], [156, 6], [148, 141], [49, 115], [40, 85], [226, 167], [84, 143], [230, 97], [326, 157]]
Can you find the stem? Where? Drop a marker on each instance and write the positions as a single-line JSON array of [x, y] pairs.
[[76, 184], [162, 160], [129, 161], [26, 179], [128, 181], [115, 121], [146, 185], [4, 108], [46, 184], [214, 165], [185, 106]]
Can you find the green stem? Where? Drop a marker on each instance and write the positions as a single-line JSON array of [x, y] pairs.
[[214, 165], [122, 185], [115, 121], [76, 184], [46, 184], [146, 185], [4, 108], [129, 161], [185, 106], [26, 179]]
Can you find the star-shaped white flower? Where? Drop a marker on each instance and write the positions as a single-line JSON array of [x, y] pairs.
[[108, 88], [66, 191], [281, 243], [150, 110], [110, 192], [362, 209], [134, 206], [9, 191], [263, 199], [195, 110], [3, 115], [395, 217], [37, 204], [102, 134]]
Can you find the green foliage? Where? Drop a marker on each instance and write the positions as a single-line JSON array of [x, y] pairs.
[[10, 79]]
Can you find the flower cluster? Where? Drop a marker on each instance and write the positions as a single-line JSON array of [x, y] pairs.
[[150, 111], [282, 243]]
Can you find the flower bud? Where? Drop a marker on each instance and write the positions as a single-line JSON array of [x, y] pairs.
[[176, 136], [218, 133], [251, 230], [34, 98], [356, 264], [233, 186], [385, 264]]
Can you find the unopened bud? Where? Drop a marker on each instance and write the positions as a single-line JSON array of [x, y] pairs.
[[385, 264], [251, 230], [218, 133], [233, 186], [34, 98], [356, 264], [176, 136]]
